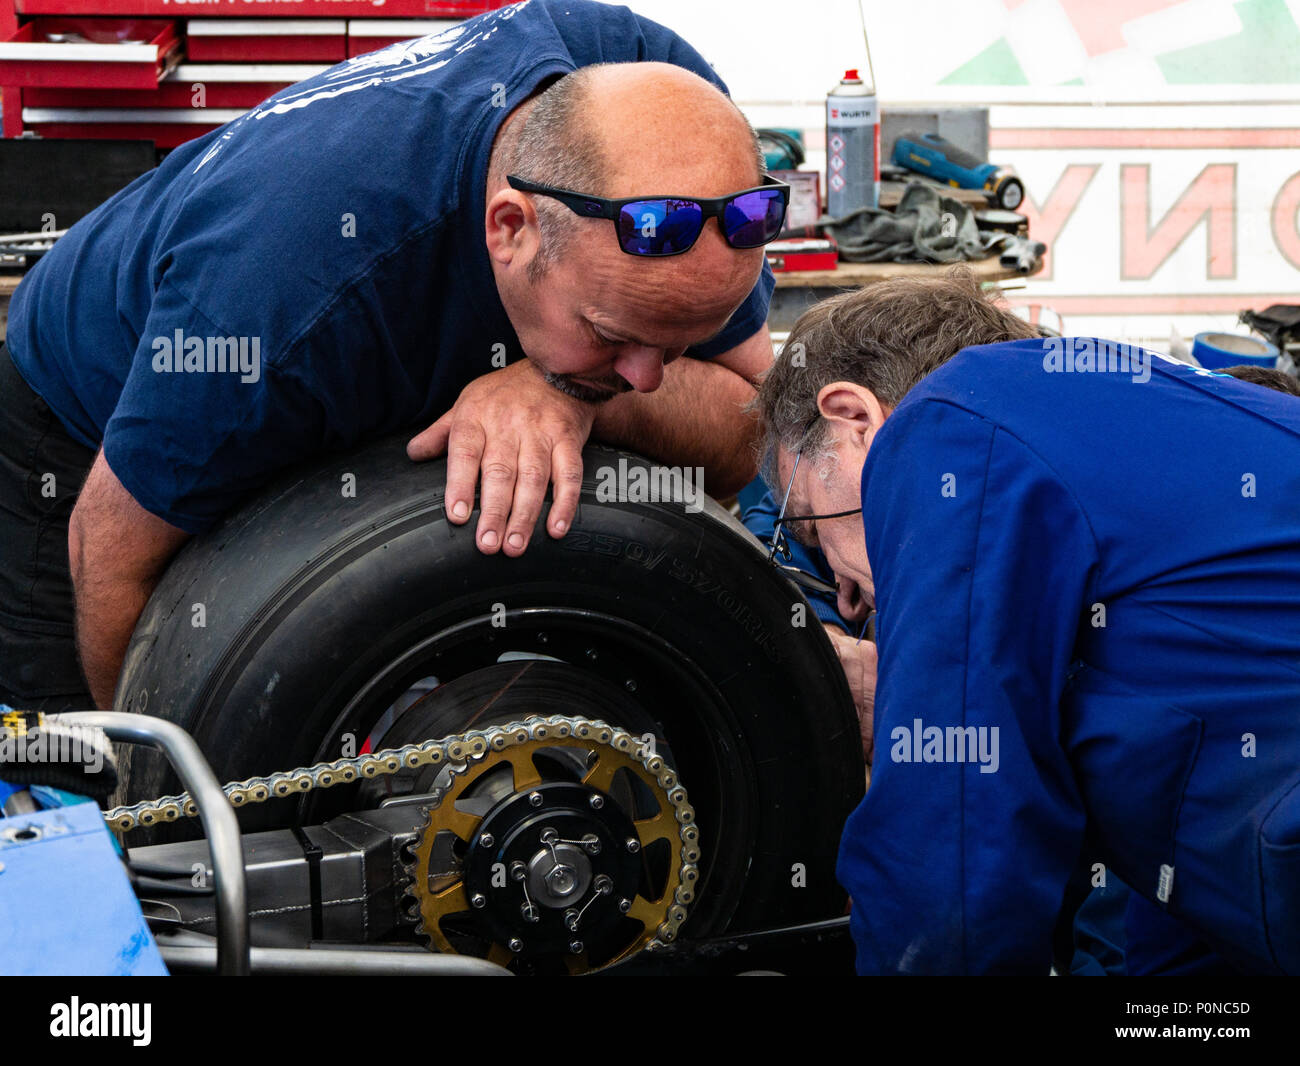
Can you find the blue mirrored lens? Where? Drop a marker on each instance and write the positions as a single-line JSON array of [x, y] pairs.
[[754, 218], [659, 227]]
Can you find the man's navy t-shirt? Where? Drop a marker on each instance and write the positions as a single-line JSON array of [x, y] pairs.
[[336, 229]]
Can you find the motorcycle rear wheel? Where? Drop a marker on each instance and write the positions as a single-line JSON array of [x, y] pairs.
[[321, 607]]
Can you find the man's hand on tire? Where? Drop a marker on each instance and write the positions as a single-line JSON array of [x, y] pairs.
[[514, 434], [859, 661]]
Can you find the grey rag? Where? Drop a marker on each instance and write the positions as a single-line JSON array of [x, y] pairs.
[[926, 227]]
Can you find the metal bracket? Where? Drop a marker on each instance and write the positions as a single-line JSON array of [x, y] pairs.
[[218, 817]]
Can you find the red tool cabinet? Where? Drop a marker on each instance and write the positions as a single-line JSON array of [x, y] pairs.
[[170, 70]]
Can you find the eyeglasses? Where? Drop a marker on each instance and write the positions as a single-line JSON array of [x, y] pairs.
[[780, 548], [670, 225]]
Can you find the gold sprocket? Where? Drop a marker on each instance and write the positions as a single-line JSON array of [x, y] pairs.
[[614, 750]]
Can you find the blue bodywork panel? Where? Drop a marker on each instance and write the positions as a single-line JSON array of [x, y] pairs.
[[66, 906]]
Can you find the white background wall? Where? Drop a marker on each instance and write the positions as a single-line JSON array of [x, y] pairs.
[[1137, 253]]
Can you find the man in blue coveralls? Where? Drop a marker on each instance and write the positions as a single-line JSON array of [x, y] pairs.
[[385, 246], [1085, 562]]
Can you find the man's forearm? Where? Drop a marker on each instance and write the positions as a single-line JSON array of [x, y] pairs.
[[117, 551], [106, 615], [695, 418]]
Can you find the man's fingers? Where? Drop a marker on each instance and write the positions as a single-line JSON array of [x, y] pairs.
[[566, 475], [849, 601], [531, 479], [499, 438], [464, 452], [496, 491], [867, 662], [430, 443]]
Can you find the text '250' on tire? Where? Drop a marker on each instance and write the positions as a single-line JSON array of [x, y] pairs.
[[321, 607]]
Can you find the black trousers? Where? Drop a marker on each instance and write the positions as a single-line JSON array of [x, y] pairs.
[[42, 469]]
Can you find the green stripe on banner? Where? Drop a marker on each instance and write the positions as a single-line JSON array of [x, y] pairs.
[[1266, 51], [996, 65]]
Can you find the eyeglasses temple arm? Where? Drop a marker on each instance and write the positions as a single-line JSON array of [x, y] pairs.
[[574, 201], [780, 518]]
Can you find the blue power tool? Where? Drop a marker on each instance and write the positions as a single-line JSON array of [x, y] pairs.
[[931, 155]]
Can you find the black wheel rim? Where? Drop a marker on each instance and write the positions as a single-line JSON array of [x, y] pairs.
[[665, 685]]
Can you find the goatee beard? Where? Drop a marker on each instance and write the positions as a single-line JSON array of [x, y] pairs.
[[586, 393]]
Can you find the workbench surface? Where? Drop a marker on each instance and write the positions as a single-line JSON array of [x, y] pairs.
[[854, 275]]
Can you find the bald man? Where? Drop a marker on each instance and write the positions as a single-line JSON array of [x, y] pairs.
[[389, 244]]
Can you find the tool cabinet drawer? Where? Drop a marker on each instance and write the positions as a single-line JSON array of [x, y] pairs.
[[370, 35], [266, 40], [90, 53]]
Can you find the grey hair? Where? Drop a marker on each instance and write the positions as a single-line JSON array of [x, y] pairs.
[[885, 337], [556, 146]]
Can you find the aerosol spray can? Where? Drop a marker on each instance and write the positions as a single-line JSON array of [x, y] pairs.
[[852, 146]]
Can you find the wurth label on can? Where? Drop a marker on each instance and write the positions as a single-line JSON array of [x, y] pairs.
[[861, 112]]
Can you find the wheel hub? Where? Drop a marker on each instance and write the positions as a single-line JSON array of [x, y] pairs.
[[552, 865], [559, 873]]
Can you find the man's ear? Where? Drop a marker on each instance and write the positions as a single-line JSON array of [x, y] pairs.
[[855, 407], [512, 231]]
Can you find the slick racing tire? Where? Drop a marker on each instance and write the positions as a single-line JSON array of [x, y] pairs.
[[299, 623]]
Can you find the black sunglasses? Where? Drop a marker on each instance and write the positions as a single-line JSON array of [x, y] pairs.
[[670, 225], [779, 548]]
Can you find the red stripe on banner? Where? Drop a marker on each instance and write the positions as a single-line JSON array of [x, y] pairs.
[[1263, 137], [1154, 304]]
